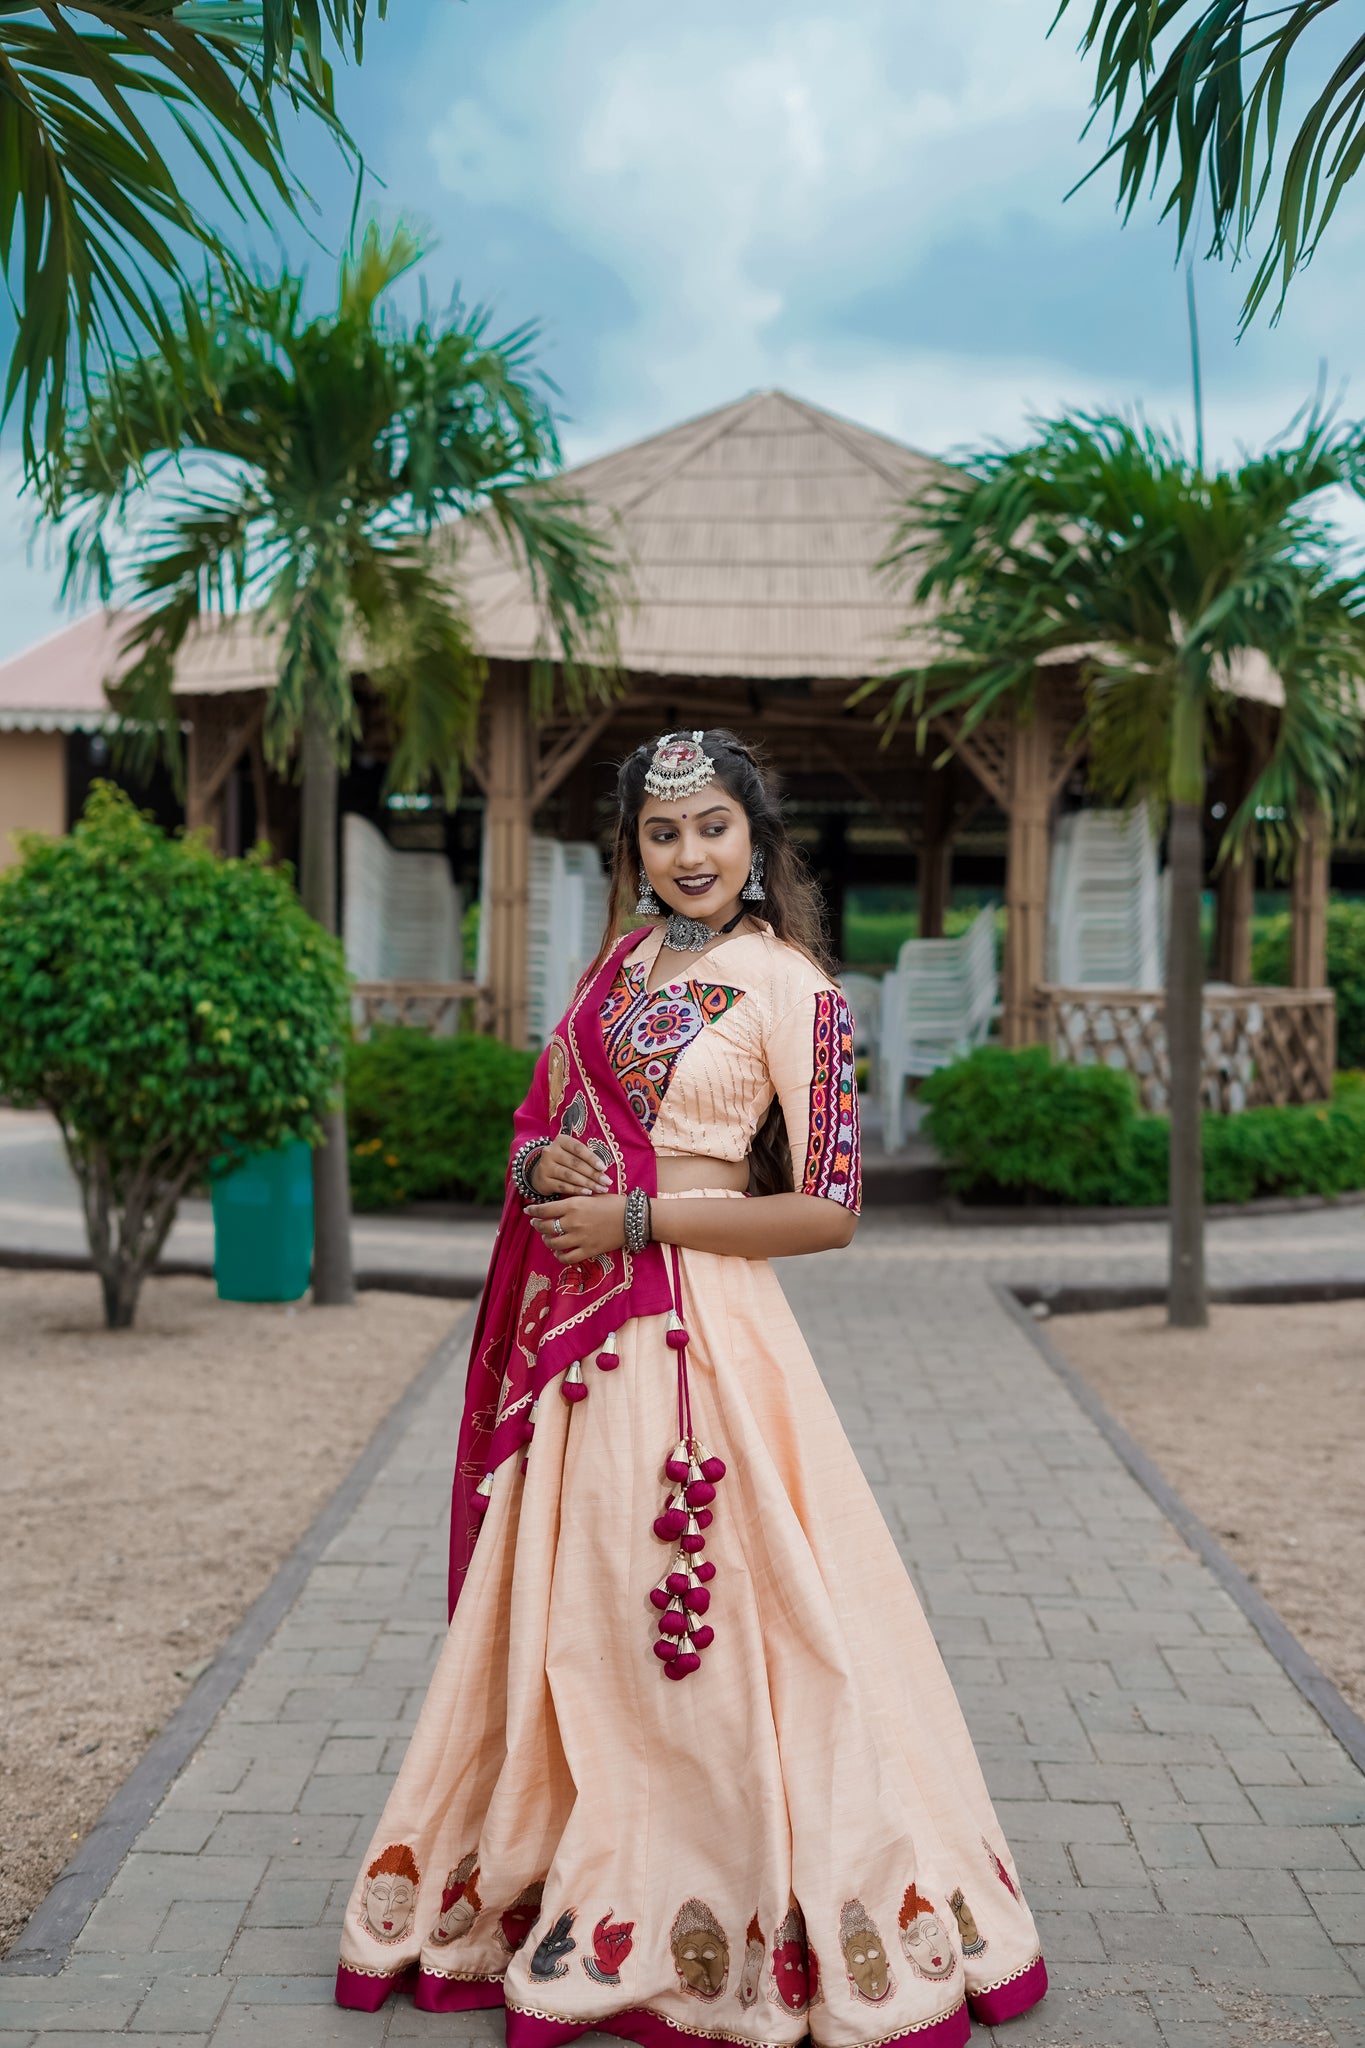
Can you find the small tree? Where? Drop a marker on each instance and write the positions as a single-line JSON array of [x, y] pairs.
[[167, 1007]]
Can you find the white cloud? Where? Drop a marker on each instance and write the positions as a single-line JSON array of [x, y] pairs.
[[30, 571]]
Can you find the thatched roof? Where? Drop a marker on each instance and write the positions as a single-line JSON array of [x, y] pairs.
[[752, 536]]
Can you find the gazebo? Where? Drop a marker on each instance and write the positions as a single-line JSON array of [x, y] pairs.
[[752, 537]]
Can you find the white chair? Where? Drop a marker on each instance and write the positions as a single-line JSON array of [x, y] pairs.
[[936, 1006], [400, 911], [566, 916], [1104, 908], [863, 994]]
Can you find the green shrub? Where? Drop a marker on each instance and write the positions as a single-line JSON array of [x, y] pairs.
[[1345, 970], [431, 1117], [166, 1006], [1020, 1124], [1305, 1149]]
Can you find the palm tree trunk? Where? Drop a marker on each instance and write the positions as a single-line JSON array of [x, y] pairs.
[[1187, 1303], [333, 1273]]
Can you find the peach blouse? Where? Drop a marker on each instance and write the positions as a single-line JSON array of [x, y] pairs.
[[702, 1058]]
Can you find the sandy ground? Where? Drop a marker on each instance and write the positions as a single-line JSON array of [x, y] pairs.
[[1259, 1424], [151, 1482]]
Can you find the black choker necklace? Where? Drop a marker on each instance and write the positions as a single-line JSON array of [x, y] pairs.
[[689, 934]]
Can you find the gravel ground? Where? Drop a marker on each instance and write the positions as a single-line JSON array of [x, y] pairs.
[[1259, 1423], [152, 1480]]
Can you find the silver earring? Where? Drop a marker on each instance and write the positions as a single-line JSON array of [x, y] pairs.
[[646, 903], [752, 892]]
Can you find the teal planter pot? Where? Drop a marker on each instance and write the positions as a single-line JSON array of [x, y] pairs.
[[263, 1226]]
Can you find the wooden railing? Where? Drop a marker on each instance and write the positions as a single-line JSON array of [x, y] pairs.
[[435, 1006], [1261, 1045]]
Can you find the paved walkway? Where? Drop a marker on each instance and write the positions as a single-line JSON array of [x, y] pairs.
[[1192, 1838], [40, 1212]]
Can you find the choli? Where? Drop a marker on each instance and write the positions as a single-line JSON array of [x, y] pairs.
[[701, 1059]]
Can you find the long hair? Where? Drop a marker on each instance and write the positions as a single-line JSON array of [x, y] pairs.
[[791, 904]]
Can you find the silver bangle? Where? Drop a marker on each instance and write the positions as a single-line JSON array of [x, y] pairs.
[[638, 1221], [523, 1160]]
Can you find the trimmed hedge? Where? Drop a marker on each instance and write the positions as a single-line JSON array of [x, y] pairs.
[[1345, 970], [1018, 1126], [431, 1117]]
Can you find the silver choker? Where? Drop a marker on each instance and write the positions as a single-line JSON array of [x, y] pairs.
[[689, 934]]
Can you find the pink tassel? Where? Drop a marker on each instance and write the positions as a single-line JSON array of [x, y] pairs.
[[713, 1468], [673, 1623], [704, 1636], [483, 1494], [607, 1359], [702, 1518], [699, 1493], [659, 1597], [677, 1582], [676, 1464], [675, 1336], [704, 1571], [681, 1666], [670, 1524], [666, 1647], [697, 1599], [572, 1386], [692, 1542]]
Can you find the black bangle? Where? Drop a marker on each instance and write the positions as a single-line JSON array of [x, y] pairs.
[[523, 1167], [637, 1223]]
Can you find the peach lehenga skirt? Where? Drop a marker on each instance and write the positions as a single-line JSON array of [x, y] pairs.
[[794, 1838]]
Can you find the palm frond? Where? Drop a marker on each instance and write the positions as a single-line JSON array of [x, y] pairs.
[[1204, 82], [97, 238]]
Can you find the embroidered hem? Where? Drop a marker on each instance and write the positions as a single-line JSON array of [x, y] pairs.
[[652, 2030], [1011, 1996], [361, 1990]]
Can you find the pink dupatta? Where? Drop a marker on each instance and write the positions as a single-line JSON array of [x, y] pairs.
[[538, 1319]]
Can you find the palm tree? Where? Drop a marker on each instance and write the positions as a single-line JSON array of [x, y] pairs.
[[310, 482], [1192, 95], [1102, 544], [95, 224]]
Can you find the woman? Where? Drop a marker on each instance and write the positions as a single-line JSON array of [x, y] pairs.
[[690, 1763]]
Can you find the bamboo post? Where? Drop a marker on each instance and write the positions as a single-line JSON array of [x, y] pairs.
[[201, 807], [509, 849], [1026, 870], [1232, 926], [1308, 906], [935, 852]]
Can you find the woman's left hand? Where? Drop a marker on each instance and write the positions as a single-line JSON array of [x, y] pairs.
[[587, 1225]]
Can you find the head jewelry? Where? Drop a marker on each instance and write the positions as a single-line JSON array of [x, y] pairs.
[[679, 767]]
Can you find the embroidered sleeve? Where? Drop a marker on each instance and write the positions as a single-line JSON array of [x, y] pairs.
[[811, 1059]]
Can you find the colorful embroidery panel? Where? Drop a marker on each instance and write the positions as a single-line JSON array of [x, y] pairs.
[[833, 1162], [645, 1033]]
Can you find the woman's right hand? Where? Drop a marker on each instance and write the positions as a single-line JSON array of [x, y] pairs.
[[568, 1167]]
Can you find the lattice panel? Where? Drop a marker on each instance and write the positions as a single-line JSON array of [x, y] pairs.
[[1260, 1045], [434, 1006]]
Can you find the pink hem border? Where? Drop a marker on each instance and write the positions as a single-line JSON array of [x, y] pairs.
[[647, 2030], [359, 1992], [1007, 2001], [456, 1994]]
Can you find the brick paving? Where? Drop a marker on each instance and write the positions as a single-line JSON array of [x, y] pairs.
[[1191, 1836]]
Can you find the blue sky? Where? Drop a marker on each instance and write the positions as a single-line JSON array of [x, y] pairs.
[[862, 204]]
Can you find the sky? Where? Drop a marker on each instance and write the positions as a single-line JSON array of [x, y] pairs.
[[865, 205]]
